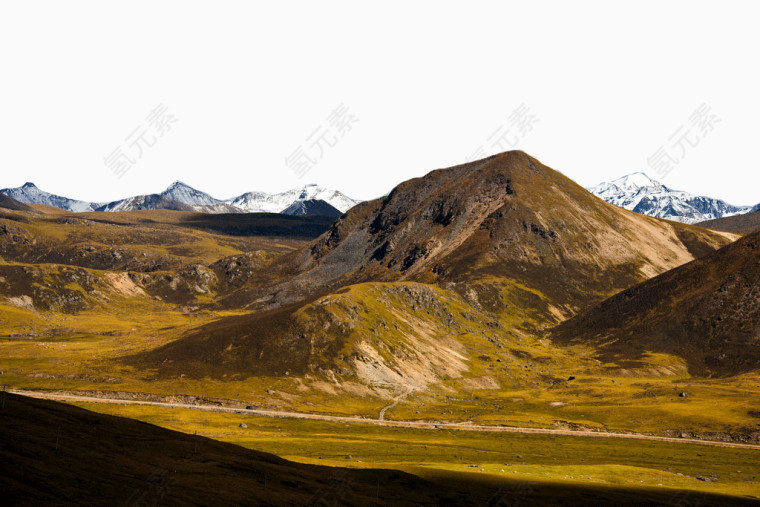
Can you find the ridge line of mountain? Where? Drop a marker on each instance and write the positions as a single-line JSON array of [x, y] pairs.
[[182, 197]]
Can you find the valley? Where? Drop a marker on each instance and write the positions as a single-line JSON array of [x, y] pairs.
[[486, 317]]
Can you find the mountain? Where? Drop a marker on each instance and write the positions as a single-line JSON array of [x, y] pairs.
[[178, 196], [507, 216], [312, 207], [257, 202], [638, 192], [182, 197], [30, 194], [509, 243], [199, 201], [146, 202], [706, 312]]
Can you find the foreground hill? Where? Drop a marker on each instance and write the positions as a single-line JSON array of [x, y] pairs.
[[707, 312], [63, 455]]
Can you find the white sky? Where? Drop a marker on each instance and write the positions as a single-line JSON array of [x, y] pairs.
[[428, 83]]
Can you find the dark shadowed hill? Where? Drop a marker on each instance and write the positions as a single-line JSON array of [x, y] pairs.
[[707, 312], [261, 224], [741, 224], [312, 207], [12, 204], [56, 454]]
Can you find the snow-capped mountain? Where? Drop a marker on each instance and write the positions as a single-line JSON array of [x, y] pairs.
[[260, 202], [199, 201], [29, 193], [179, 197], [144, 202], [184, 193], [182, 197], [640, 193]]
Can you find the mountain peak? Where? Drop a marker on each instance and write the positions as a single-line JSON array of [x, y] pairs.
[[178, 184], [29, 184], [636, 180]]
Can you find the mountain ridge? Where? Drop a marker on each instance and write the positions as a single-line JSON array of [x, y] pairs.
[[180, 196], [642, 194]]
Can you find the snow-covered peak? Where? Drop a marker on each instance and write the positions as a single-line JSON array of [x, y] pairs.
[[635, 181], [181, 196], [29, 193], [260, 202], [640, 193], [184, 193]]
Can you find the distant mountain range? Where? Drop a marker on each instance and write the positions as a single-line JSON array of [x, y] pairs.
[[310, 199], [640, 193]]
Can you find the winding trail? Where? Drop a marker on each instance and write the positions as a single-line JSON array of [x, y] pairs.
[[396, 401], [381, 421]]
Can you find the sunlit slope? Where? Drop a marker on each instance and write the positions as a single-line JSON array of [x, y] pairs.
[[707, 312]]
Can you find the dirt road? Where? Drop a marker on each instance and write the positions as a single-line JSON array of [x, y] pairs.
[[379, 422]]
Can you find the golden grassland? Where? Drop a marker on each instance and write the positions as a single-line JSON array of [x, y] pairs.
[[550, 458], [517, 379]]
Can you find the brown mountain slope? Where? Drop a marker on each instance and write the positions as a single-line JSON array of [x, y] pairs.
[[707, 312], [741, 224]]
